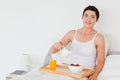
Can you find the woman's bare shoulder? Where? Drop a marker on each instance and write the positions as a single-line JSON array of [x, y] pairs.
[[71, 32], [100, 38]]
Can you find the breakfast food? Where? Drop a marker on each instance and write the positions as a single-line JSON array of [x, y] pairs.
[[75, 65], [75, 68]]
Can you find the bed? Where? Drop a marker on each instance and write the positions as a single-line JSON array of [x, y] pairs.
[[110, 70]]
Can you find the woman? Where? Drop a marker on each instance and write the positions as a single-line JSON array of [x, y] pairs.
[[88, 46]]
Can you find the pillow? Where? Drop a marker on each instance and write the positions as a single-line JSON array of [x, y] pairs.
[[107, 43], [111, 69]]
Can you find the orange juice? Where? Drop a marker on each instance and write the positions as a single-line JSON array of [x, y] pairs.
[[52, 64]]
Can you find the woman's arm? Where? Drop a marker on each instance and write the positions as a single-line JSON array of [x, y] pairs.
[[100, 45], [63, 42]]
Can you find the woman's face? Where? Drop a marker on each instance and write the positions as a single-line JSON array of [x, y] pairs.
[[89, 18]]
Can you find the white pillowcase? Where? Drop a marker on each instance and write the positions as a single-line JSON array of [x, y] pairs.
[[107, 42], [111, 69]]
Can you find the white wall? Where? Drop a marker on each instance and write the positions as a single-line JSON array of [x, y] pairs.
[[32, 26]]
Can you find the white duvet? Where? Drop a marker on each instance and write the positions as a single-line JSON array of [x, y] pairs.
[[111, 69], [36, 74]]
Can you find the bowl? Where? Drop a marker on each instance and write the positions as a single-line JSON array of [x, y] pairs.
[[75, 69]]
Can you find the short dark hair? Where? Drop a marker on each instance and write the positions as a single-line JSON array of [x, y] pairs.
[[92, 8]]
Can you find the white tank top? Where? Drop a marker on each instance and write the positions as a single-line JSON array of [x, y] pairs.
[[83, 53]]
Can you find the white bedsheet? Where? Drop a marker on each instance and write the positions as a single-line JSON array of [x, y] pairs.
[[111, 69], [36, 74]]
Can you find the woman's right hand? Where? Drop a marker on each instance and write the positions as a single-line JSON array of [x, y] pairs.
[[56, 47]]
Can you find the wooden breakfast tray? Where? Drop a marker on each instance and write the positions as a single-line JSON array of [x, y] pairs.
[[63, 70]]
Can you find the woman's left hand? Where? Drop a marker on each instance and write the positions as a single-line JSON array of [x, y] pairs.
[[93, 77]]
